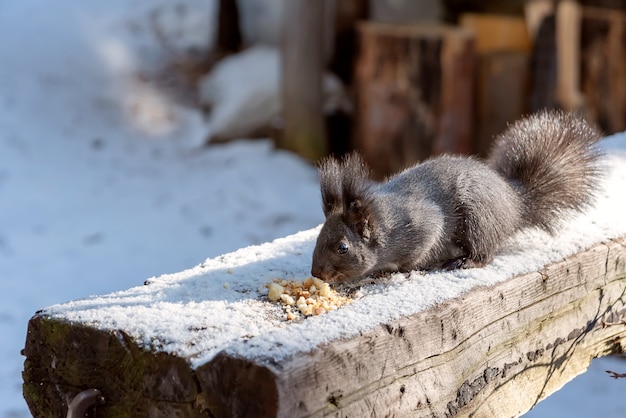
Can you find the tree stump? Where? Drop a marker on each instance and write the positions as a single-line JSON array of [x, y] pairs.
[[414, 93]]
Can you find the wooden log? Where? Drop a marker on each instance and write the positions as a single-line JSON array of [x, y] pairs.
[[413, 88], [492, 351]]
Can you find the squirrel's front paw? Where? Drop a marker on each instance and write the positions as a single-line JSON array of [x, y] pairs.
[[463, 262]]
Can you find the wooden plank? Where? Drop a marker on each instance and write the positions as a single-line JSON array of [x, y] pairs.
[[493, 351]]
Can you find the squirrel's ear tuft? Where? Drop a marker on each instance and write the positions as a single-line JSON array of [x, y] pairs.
[[355, 184], [356, 187], [330, 184], [354, 167]]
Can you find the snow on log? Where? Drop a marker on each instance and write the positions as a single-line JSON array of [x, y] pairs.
[[208, 342]]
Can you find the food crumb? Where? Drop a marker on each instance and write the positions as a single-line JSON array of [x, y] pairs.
[[275, 290], [309, 297]]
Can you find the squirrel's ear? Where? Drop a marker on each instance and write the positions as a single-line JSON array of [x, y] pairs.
[[330, 185], [356, 188], [359, 218]]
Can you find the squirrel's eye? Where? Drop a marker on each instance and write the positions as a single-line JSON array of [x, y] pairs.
[[342, 248]]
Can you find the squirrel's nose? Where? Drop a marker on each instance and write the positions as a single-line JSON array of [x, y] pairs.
[[316, 271]]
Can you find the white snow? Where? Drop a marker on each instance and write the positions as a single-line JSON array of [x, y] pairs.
[[243, 92], [101, 189]]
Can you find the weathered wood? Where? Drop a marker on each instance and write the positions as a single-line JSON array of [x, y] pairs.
[[494, 351], [414, 93], [72, 357]]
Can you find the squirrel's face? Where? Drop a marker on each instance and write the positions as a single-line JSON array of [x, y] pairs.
[[340, 253]]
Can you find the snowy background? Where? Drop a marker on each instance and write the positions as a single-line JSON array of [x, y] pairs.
[[102, 182]]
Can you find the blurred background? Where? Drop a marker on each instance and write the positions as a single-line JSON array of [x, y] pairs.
[[403, 80], [138, 138]]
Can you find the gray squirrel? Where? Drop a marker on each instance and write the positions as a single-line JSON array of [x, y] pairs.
[[455, 212]]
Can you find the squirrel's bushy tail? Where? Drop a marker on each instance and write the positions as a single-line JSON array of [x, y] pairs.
[[550, 158]]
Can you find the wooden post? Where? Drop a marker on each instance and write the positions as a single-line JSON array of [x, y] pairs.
[[568, 23], [302, 67], [413, 88]]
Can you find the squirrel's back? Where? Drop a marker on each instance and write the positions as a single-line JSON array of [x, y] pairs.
[[550, 158]]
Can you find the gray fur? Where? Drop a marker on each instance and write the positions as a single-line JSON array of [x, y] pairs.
[[551, 160], [454, 212]]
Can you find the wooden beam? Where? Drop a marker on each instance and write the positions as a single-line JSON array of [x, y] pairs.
[[492, 351]]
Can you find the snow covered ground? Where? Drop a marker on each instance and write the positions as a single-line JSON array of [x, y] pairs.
[[101, 189]]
